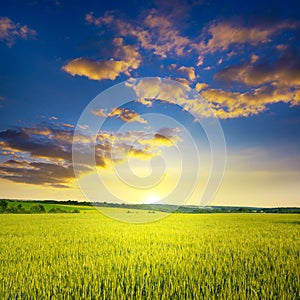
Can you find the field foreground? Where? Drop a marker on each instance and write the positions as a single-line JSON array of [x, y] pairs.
[[89, 256]]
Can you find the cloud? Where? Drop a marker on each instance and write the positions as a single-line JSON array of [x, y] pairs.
[[106, 19], [144, 144], [285, 70], [10, 31], [127, 115], [225, 34], [68, 125], [96, 70], [227, 104], [129, 59], [154, 32], [221, 103], [126, 52], [167, 136], [200, 60], [183, 81], [160, 32], [48, 174], [268, 81], [42, 154], [155, 88], [200, 86], [189, 72], [99, 113], [115, 147], [150, 89], [22, 141]]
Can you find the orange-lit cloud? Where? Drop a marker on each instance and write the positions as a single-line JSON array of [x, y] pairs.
[[200, 86], [224, 34], [125, 114], [269, 81], [160, 33], [10, 31], [155, 88], [96, 70], [222, 103], [189, 72], [106, 19], [99, 113], [283, 71], [183, 81], [171, 92], [164, 37], [156, 32], [68, 125], [129, 59], [228, 104]]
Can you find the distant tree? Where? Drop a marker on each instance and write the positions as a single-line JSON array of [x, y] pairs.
[[19, 208], [3, 205], [56, 210], [37, 208]]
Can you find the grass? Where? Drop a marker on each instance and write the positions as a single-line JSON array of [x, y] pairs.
[[89, 256]]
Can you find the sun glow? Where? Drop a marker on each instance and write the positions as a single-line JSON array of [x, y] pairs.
[[152, 199]]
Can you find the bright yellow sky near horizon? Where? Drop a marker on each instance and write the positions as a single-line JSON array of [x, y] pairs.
[[238, 188]]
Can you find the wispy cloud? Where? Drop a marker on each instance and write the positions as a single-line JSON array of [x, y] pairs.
[[10, 31], [100, 113], [156, 32], [161, 33], [225, 34]]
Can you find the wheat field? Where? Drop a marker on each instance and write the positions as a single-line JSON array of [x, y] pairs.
[[89, 256]]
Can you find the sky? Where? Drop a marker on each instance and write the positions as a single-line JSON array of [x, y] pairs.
[[153, 97]]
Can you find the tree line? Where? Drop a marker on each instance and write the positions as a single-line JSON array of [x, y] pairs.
[[33, 209]]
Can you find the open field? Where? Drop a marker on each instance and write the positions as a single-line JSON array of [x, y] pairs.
[[89, 256]]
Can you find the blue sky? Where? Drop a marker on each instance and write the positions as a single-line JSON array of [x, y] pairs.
[[56, 56]]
